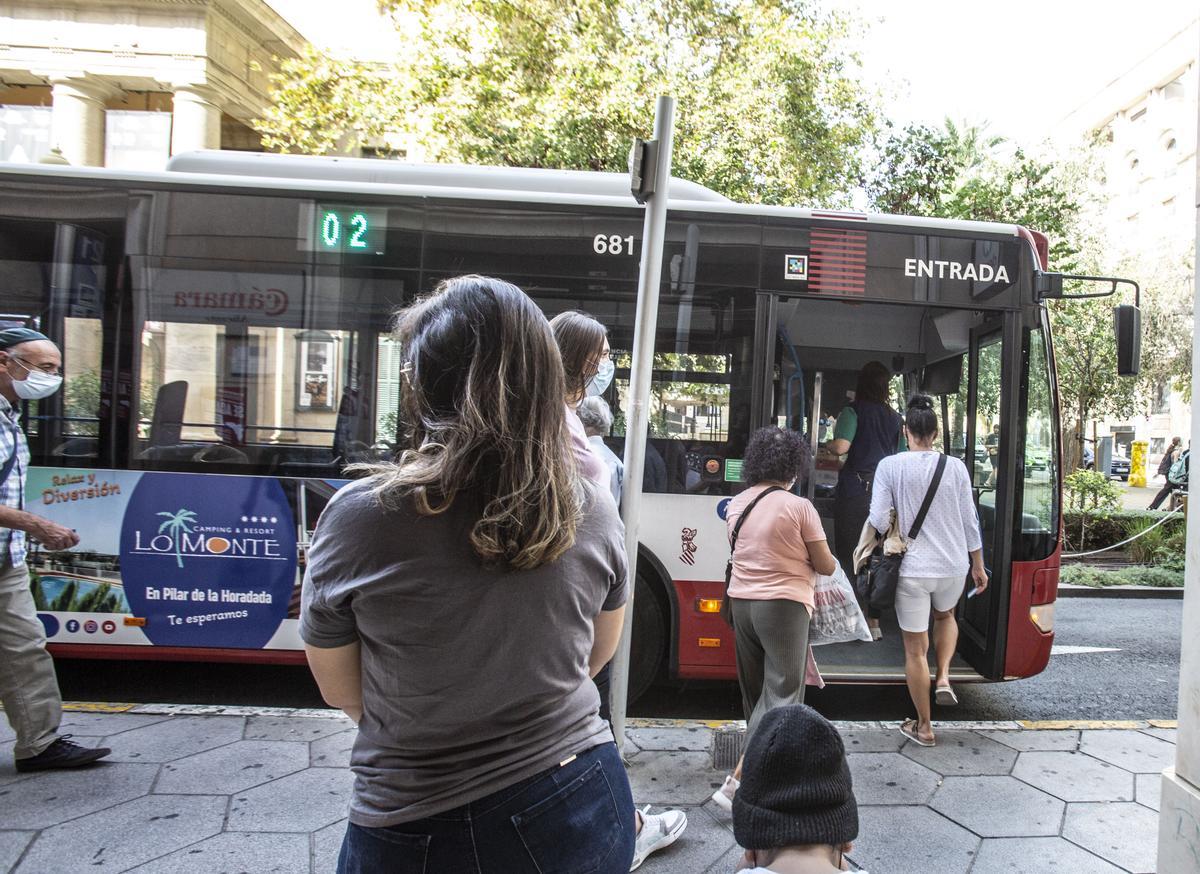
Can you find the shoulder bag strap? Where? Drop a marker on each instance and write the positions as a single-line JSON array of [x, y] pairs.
[[933, 487], [738, 525], [8, 465]]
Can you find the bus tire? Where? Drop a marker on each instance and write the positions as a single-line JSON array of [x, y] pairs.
[[649, 639]]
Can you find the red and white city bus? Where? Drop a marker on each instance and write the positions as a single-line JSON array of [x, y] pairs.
[[224, 326]]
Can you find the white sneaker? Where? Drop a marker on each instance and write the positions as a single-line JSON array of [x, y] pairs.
[[723, 797], [658, 830]]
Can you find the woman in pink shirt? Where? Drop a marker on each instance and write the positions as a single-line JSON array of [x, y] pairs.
[[780, 549], [583, 343]]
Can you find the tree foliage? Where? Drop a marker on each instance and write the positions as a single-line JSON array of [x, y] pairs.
[[959, 172], [962, 172], [1166, 278], [770, 108]]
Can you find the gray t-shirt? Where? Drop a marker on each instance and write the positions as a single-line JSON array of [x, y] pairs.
[[473, 679]]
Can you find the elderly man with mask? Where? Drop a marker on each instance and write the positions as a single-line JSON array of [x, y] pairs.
[[30, 369]]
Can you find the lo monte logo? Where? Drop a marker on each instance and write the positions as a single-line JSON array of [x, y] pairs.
[[181, 535]]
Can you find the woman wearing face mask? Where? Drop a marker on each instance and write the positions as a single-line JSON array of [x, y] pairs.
[[583, 343], [588, 367]]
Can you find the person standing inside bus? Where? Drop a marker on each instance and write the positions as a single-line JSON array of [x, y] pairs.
[[779, 551], [936, 562], [457, 602], [30, 369], [867, 431], [588, 371]]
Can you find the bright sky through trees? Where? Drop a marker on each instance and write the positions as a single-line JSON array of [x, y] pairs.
[[1021, 65]]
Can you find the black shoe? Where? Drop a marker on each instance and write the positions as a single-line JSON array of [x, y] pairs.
[[62, 754]]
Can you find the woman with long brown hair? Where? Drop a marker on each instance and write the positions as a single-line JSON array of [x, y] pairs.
[[457, 602], [588, 372]]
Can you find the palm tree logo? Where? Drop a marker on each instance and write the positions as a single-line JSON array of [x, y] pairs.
[[177, 523]]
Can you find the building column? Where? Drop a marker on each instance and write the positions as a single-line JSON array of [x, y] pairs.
[[77, 119], [1179, 816], [195, 120]]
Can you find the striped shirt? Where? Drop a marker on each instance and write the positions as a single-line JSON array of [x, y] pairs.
[[12, 490]]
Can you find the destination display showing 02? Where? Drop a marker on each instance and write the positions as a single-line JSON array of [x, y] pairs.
[[346, 229]]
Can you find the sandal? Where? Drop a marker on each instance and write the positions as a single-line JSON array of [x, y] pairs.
[[944, 695], [908, 728]]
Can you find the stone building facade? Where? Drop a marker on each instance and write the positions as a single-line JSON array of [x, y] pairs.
[[1145, 120], [127, 83]]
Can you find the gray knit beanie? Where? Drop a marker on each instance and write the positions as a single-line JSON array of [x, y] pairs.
[[796, 786]]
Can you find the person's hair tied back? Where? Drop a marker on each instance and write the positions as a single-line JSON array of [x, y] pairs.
[[920, 419]]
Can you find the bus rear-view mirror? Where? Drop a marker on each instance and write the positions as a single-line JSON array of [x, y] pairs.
[[1127, 322]]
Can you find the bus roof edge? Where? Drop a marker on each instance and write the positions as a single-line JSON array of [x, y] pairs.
[[342, 169]]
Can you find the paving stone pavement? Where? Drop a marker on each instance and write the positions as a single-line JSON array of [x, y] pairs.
[[207, 790]]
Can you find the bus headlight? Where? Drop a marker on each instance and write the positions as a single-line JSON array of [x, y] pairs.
[[1043, 617]]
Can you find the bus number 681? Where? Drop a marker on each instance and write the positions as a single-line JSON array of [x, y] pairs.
[[612, 244]]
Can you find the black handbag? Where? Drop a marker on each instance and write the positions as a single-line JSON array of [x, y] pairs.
[[877, 581], [727, 608]]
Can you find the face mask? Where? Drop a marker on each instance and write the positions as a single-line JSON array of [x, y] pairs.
[[36, 385], [601, 381]]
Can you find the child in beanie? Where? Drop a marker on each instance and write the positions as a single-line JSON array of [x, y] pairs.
[[795, 811]]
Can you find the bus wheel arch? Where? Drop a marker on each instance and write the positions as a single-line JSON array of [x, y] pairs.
[[652, 654]]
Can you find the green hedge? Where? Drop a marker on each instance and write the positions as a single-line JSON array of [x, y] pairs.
[[1136, 575], [1104, 529]]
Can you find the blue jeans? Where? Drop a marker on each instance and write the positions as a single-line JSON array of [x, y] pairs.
[[571, 819]]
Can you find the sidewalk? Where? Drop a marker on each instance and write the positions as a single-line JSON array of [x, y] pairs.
[[211, 789]]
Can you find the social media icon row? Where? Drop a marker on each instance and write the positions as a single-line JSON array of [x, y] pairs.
[[91, 626]]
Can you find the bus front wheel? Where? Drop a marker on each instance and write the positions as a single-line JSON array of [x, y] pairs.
[[649, 639]]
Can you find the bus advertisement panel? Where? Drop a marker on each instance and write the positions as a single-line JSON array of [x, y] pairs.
[[173, 559]]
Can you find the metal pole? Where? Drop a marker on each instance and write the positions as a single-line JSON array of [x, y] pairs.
[[637, 414], [1179, 815]]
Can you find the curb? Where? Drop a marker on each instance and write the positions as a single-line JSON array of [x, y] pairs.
[[691, 724], [1170, 594]]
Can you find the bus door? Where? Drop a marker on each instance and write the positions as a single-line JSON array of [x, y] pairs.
[[785, 392], [990, 458]]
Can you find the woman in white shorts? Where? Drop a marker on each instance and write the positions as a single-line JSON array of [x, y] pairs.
[[933, 572]]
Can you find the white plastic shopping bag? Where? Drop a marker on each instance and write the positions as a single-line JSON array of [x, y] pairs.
[[837, 617]]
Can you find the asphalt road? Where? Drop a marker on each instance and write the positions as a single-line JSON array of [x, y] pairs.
[[1138, 680]]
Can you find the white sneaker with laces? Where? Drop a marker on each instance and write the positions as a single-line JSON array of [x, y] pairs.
[[723, 797], [658, 830]]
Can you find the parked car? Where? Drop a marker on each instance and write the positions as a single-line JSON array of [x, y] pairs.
[[1119, 467], [1036, 458], [983, 465]]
